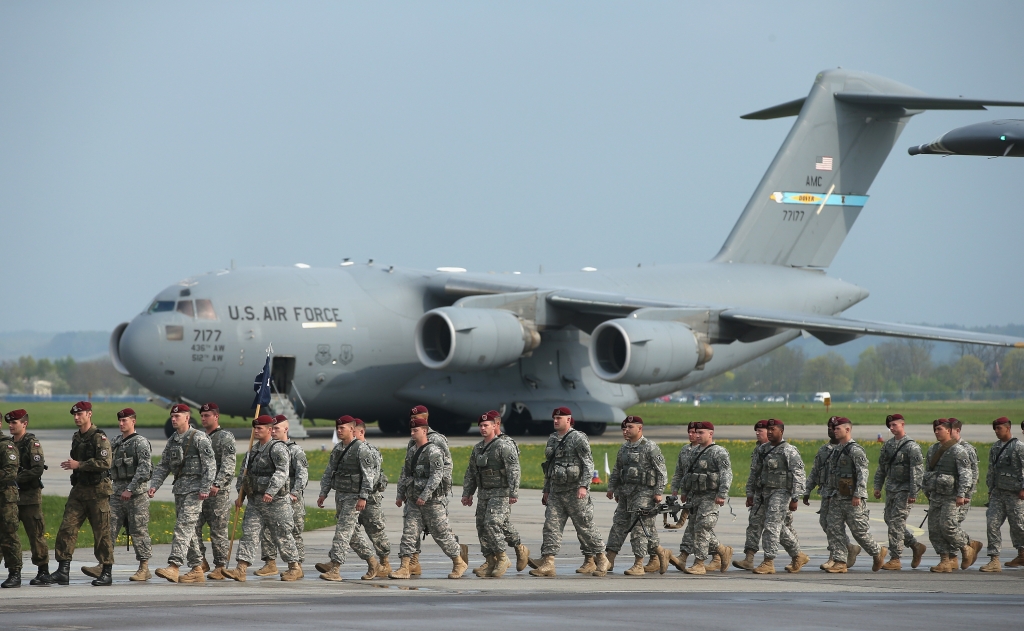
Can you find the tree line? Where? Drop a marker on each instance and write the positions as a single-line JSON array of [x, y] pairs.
[[66, 376]]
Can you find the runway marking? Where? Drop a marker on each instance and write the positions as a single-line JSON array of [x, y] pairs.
[[914, 529]]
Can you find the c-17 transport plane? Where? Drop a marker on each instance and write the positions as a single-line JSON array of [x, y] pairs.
[[373, 340]]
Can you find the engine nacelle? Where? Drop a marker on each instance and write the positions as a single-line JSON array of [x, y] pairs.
[[635, 351], [467, 340]]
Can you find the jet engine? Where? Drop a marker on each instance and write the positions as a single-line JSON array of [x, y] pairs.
[[645, 351], [467, 340]]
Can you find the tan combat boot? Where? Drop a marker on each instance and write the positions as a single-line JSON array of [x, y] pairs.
[[372, 565], [269, 568], [943, 565], [414, 565], [459, 567], [404, 570], [546, 567], [464, 553], [654, 565], [838, 567], [970, 552], [610, 555], [679, 562], [715, 565], [663, 559], [767, 566], [893, 564], [170, 572], [384, 567], [1018, 561], [747, 563], [205, 565], [879, 559], [798, 562], [697, 568], [217, 574], [522, 557], [828, 564], [92, 570], [992, 566], [637, 569], [195, 575], [852, 551], [293, 573], [918, 549], [602, 563], [501, 564], [486, 567], [237, 574], [142, 574], [588, 565], [724, 556]]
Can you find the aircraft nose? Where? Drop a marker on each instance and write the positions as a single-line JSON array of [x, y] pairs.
[[134, 348]]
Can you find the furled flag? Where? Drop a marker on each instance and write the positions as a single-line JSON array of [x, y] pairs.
[[823, 163], [262, 386]]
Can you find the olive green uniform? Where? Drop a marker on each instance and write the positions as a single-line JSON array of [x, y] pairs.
[[30, 489], [89, 497], [10, 542]]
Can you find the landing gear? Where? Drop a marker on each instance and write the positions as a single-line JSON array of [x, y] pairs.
[[593, 429], [516, 423], [541, 428], [393, 426]]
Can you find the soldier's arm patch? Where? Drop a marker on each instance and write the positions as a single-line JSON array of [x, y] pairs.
[[12, 457], [36, 458], [103, 453]]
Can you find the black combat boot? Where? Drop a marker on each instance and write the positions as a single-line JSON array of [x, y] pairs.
[[63, 574], [13, 579], [42, 576], [104, 580]]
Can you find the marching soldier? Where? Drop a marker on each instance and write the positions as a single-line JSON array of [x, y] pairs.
[[10, 541], [947, 485], [351, 472], [819, 477], [189, 455], [421, 488], [129, 503], [705, 487], [89, 465], [567, 476], [439, 439], [755, 516], [1005, 480], [30, 490], [779, 472], [848, 474], [972, 455], [298, 476], [266, 485], [900, 469], [371, 518], [216, 509], [682, 462], [493, 474]]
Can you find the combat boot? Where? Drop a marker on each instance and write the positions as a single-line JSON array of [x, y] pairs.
[[105, 579], [293, 573], [195, 575], [269, 568], [602, 563], [13, 579], [330, 571], [879, 559], [205, 565], [679, 562], [323, 567], [893, 564], [501, 565], [918, 549], [828, 564], [464, 553], [170, 572], [217, 574], [486, 567], [610, 555], [588, 565], [970, 551], [63, 574], [697, 568], [237, 574], [546, 567], [92, 571], [663, 559], [414, 565], [724, 556], [372, 566], [384, 567], [459, 567], [838, 567], [798, 562], [637, 569], [142, 574], [852, 551], [404, 570], [522, 557], [715, 565], [767, 566], [747, 563], [993, 565], [954, 564], [654, 565], [42, 576], [1018, 561], [943, 565]]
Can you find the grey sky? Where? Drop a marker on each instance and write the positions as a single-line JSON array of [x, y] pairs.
[[141, 143]]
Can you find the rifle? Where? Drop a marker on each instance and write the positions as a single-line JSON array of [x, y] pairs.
[[925, 518], [671, 507], [679, 514]]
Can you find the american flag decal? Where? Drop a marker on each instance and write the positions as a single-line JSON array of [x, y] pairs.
[[823, 163]]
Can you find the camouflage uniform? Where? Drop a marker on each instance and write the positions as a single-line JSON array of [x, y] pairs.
[[819, 477], [779, 472], [10, 542], [755, 515], [682, 462], [848, 475], [423, 479], [130, 471], [190, 457], [298, 476], [947, 477], [439, 439], [216, 509], [1005, 479], [568, 467], [351, 472], [371, 518], [707, 478], [493, 474], [266, 468], [89, 497], [639, 474], [30, 489], [900, 469], [972, 455]]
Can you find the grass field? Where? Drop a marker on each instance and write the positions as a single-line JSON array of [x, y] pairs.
[[57, 415]]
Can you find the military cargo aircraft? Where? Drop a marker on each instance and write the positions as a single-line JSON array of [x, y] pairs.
[[372, 340], [996, 139]]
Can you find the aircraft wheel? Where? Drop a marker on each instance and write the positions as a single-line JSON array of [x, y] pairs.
[[459, 428], [168, 428], [541, 428], [390, 426], [593, 429], [516, 424]]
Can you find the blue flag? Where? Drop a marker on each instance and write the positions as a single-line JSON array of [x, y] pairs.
[[262, 386]]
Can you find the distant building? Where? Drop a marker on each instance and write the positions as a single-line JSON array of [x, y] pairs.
[[42, 388], [3, 388]]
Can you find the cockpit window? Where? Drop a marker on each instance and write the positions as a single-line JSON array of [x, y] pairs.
[[204, 309], [185, 308], [161, 305]]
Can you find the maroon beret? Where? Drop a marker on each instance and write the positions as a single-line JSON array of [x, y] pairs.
[[417, 421], [704, 425], [209, 407], [125, 413], [15, 415], [360, 423], [957, 423], [419, 409], [774, 422], [893, 417], [762, 424], [344, 420], [561, 411], [836, 421], [1002, 420], [81, 406], [263, 419], [491, 415], [280, 418], [631, 419], [689, 426], [942, 421], [177, 408]]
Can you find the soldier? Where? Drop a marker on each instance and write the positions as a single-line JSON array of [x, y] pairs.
[[216, 509], [10, 541], [900, 469], [947, 485], [351, 472], [89, 465], [682, 462], [493, 473], [129, 503], [848, 475], [755, 516], [972, 455], [298, 476], [30, 490], [266, 487], [371, 518], [819, 477], [1005, 480], [189, 455], [567, 476], [779, 472], [705, 487], [421, 488]]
